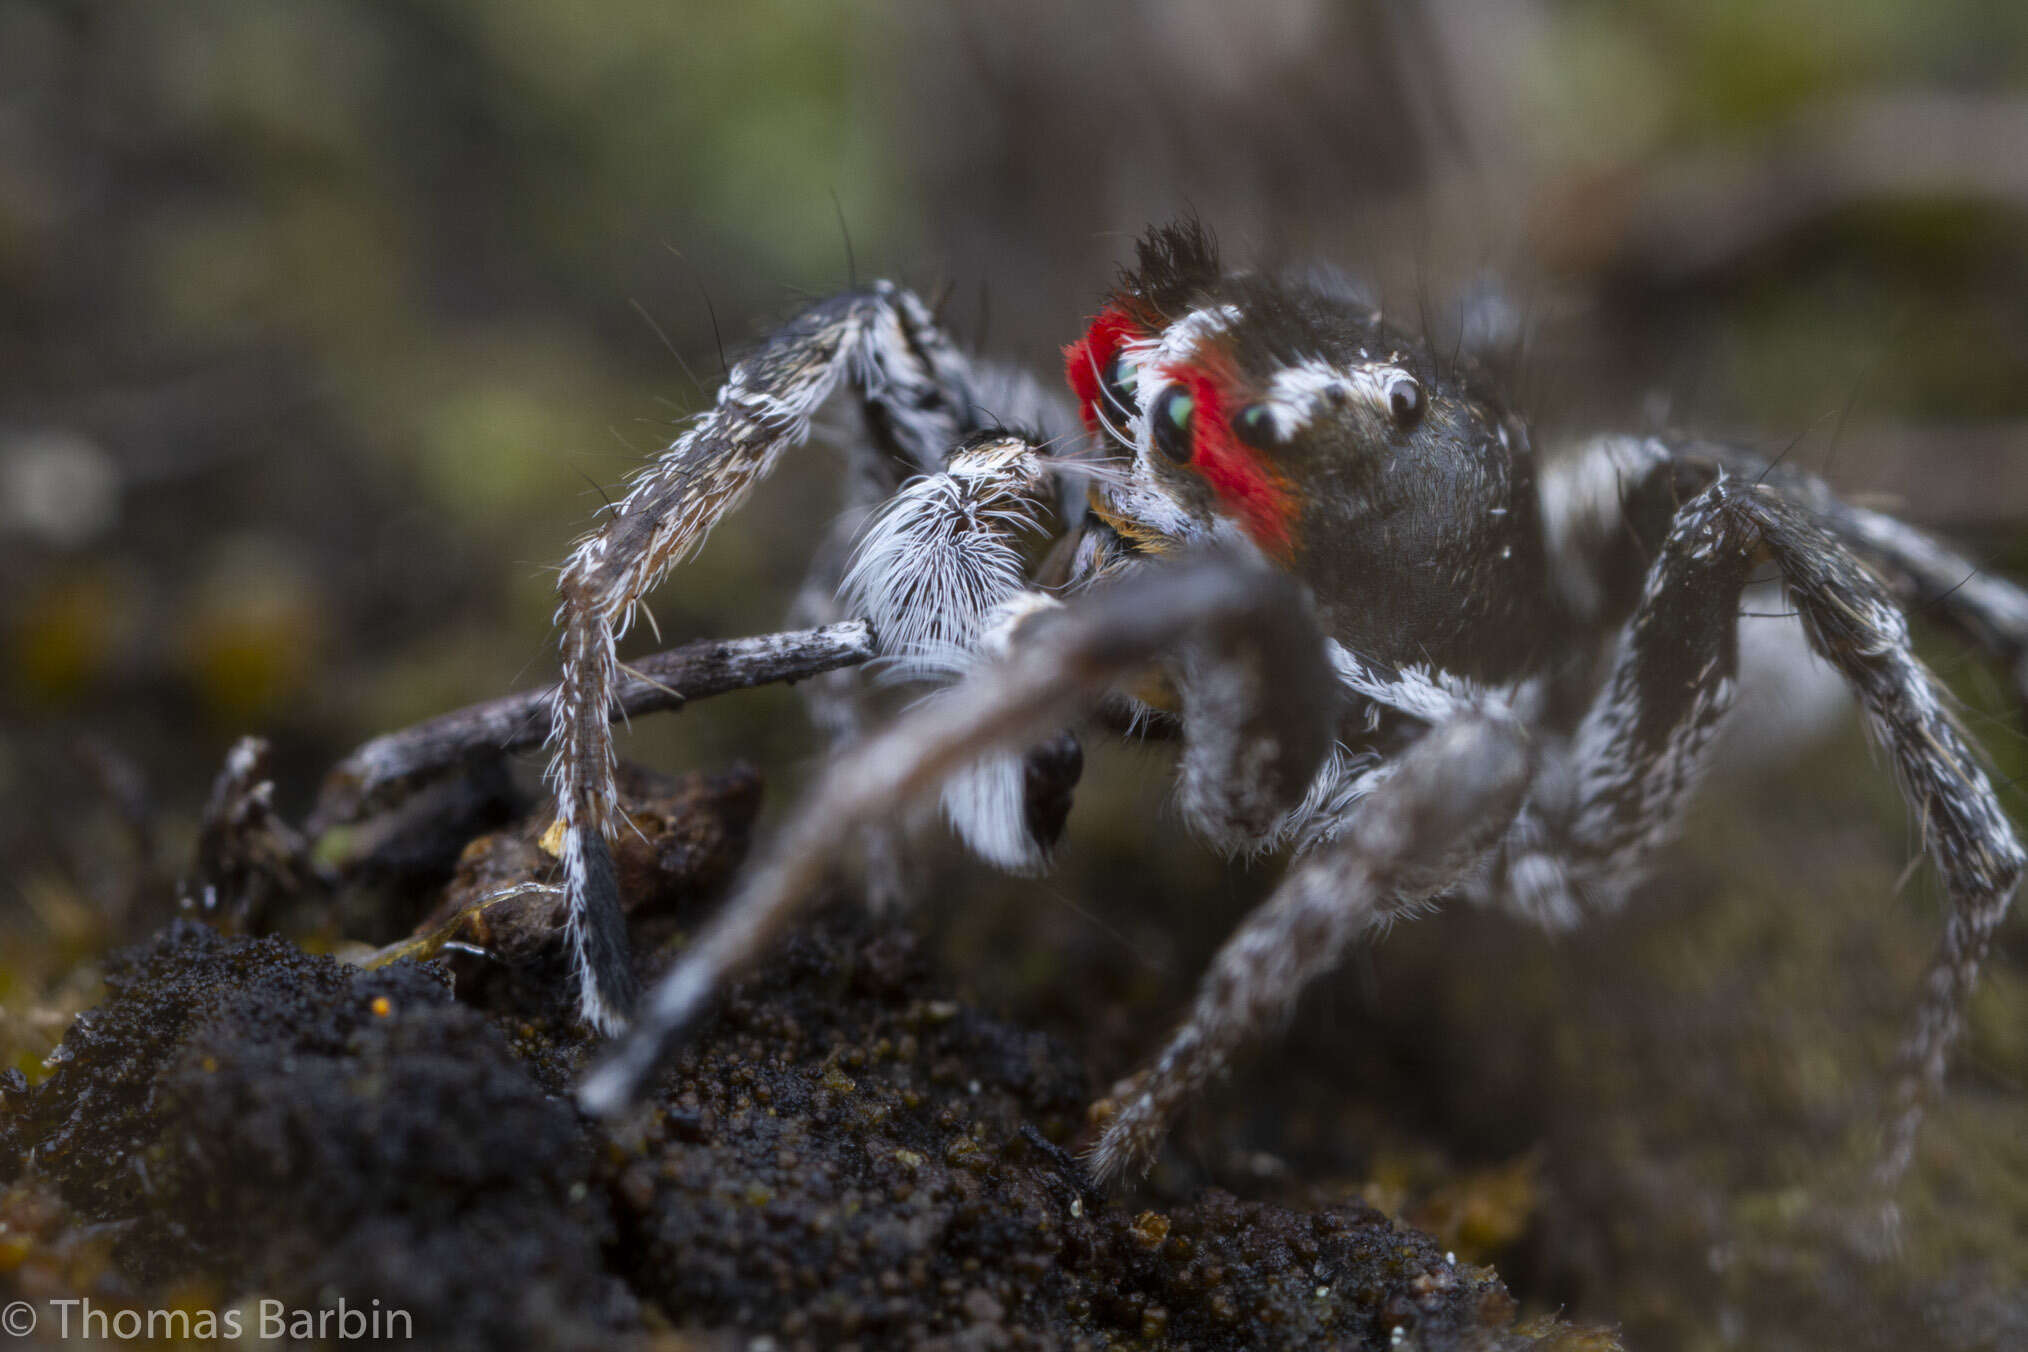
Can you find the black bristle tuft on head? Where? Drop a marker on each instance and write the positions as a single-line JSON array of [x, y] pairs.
[[1174, 262]]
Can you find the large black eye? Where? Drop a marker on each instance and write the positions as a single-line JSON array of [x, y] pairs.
[[1254, 425], [1404, 401], [1170, 423], [1121, 386]]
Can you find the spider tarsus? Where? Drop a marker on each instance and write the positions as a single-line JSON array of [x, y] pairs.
[[597, 934], [1050, 772]]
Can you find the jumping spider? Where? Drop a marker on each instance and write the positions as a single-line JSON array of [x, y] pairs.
[[1329, 558]]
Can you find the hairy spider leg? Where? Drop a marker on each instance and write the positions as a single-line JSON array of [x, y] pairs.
[[1068, 655], [1641, 745], [1617, 793], [1853, 622], [1927, 576], [1413, 836], [886, 341], [1602, 503]]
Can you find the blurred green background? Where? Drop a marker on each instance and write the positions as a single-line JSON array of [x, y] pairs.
[[323, 323]]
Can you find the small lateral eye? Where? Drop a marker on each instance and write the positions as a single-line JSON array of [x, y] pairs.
[[1121, 386], [1254, 425], [1170, 423], [1405, 401]]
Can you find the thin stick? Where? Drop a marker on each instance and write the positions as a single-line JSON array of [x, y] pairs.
[[379, 770]]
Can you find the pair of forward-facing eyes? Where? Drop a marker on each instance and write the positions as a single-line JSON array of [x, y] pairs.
[[1172, 418]]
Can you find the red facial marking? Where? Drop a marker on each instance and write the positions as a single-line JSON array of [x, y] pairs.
[[1246, 484], [1085, 361]]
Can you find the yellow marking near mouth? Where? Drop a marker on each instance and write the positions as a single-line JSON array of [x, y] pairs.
[[1136, 533], [1156, 691], [1153, 688]]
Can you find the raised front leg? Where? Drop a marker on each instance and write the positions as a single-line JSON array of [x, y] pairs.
[[885, 340]]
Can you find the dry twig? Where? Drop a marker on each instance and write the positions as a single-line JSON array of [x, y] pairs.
[[381, 770]]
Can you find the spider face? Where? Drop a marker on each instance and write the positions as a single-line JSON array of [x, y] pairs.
[[1286, 411]]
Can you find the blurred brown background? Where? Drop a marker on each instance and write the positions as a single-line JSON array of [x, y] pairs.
[[321, 324]]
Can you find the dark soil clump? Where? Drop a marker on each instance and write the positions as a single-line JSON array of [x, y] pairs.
[[846, 1162], [266, 1122], [842, 1158]]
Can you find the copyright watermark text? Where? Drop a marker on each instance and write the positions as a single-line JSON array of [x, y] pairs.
[[79, 1317]]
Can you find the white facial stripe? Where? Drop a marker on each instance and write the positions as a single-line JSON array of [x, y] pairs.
[[1297, 393], [1180, 341]]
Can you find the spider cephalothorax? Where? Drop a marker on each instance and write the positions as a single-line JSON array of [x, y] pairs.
[[1391, 482], [1326, 556]]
